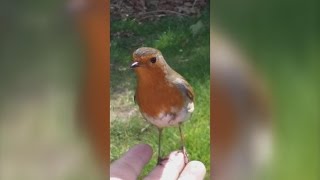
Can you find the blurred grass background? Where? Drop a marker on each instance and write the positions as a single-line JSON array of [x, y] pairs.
[[184, 43], [282, 39]]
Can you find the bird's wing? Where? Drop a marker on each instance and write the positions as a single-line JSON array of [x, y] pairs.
[[134, 99], [185, 87], [190, 92]]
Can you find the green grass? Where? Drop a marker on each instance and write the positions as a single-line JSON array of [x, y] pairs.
[[186, 52]]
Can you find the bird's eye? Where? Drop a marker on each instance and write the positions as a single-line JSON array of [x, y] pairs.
[[153, 59]]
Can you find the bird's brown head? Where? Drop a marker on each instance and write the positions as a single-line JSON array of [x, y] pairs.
[[149, 61]]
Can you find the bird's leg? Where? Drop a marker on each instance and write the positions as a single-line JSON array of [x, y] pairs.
[[183, 148], [159, 146]]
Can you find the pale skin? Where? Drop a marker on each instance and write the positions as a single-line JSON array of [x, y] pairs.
[[130, 165]]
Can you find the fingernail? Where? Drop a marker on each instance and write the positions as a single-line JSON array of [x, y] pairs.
[[195, 166]]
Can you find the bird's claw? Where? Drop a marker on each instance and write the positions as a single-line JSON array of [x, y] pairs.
[[160, 160]]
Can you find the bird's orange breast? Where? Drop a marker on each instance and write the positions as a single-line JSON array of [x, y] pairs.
[[156, 95]]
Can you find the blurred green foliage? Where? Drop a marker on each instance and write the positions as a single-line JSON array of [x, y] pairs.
[[282, 39], [41, 61]]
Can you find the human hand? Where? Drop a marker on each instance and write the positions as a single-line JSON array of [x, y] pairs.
[[131, 163]]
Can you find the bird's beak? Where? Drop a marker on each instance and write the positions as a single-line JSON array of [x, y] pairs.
[[134, 65]]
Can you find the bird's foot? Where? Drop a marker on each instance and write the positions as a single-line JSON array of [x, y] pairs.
[[160, 160]]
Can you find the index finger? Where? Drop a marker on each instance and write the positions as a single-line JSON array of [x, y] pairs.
[[130, 164]]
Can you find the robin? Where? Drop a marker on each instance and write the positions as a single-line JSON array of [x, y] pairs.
[[164, 97]]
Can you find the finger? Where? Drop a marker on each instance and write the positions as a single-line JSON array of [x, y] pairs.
[[168, 169], [131, 163], [194, 170]]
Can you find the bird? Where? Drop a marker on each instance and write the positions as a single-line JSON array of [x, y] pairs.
[[164, 97]]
